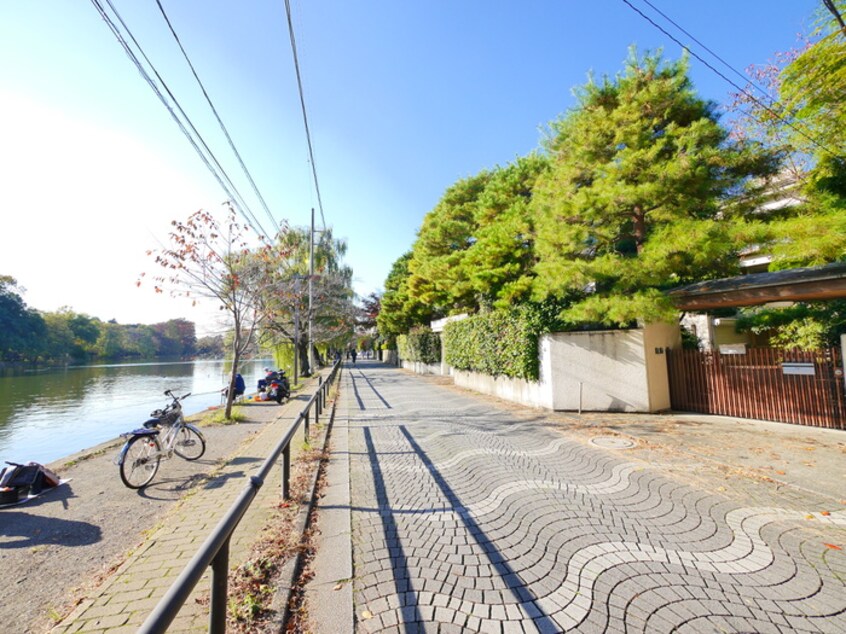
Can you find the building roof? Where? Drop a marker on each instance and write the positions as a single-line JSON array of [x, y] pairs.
[[805, 284]]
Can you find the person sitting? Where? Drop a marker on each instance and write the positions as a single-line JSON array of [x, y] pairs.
[[240, 387]]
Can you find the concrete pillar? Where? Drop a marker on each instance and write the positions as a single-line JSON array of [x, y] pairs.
[[843, 358]]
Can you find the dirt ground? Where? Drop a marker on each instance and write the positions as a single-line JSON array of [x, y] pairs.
[[796, 457], [55, 545]]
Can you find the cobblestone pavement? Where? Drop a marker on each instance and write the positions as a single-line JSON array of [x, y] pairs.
[[468, 517]]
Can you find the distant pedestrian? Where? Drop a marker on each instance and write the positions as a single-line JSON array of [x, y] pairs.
[[354, 355]]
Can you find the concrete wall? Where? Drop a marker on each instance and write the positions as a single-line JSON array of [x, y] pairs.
[[520, 391], [725, 333], [600, 371], [423, 368], [611, 371], [714, 332]]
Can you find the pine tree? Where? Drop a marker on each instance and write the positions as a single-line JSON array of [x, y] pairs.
[[500, 263], [437, 275], [646, 191]]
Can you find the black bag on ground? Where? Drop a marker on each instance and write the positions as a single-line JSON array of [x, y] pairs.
[[20, 480]]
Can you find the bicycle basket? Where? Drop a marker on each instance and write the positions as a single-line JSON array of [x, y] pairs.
[[170, 418]]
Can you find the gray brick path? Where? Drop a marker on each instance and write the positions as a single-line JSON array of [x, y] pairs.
[[126, 597], [469, 518]]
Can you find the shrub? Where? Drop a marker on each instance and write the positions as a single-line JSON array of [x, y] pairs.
[[421, 344], [496, 343]]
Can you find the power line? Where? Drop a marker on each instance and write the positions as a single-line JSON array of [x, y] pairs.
[[776, 114], [231, 190], [217, 116], [303, 108], [206, 155], [712, 53]]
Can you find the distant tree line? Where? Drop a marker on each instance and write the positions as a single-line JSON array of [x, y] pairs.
[[28, 335]]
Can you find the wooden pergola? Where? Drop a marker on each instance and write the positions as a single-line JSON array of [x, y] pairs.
[[793, 285]]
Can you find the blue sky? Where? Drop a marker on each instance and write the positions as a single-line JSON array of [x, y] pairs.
[[404, 98]]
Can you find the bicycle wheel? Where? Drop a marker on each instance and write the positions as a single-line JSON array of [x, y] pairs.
[[141, 461], [189, 444]]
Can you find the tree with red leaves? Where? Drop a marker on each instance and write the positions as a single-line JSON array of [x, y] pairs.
[[219, 261]]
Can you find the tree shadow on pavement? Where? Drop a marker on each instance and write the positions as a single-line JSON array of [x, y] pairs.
[[22, 530], [399, 562]]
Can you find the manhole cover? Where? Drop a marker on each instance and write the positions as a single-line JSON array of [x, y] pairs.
[[612, 442]]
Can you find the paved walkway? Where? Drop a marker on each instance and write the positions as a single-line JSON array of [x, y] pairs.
[[126, 598], [469, 516]]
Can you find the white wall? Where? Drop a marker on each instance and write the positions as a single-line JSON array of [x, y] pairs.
[[605, 369], [612, 370], [600, 371], [422, 368], [527, 393]]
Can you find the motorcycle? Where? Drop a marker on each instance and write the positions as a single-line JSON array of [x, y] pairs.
[[276, 384]]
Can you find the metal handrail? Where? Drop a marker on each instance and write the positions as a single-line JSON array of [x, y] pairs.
[[215, 550]]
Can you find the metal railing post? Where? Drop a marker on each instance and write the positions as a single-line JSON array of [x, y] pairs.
[[319, 395], [214, 553], [219, 590], [286, 472]]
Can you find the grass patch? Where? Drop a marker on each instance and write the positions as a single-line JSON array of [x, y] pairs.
[[54, 615], [217, 416], [75, 461]]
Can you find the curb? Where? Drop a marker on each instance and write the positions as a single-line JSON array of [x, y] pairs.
[[329, 593], [293, 569]]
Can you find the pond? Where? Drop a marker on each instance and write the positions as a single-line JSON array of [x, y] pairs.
[[50, 414]]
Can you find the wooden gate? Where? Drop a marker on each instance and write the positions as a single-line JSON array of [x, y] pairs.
[[790, 386]]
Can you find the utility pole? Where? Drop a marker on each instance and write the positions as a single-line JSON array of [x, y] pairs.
[[296, 330], [311, 295]]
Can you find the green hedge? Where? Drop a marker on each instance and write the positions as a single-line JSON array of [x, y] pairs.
[[421, 345], [496, 343]]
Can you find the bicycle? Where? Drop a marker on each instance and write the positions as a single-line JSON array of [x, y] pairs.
[[145, 447]]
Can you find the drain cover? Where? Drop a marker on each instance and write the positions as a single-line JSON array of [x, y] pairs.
[[612, 442]]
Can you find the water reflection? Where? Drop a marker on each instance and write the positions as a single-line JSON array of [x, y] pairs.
[[47, 415]]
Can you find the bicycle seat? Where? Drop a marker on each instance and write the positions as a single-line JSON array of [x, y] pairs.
[[145, 432]]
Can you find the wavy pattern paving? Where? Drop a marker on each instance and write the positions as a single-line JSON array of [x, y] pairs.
[[461, 456], [468, 520]]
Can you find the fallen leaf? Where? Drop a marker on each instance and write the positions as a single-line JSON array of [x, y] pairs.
[[721, 488], [367, 614], [778, 471], [809, 517], [338, 587], [832, 546], [826, 513]]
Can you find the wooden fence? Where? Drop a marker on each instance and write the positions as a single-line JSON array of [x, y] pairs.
[[791, 386]]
